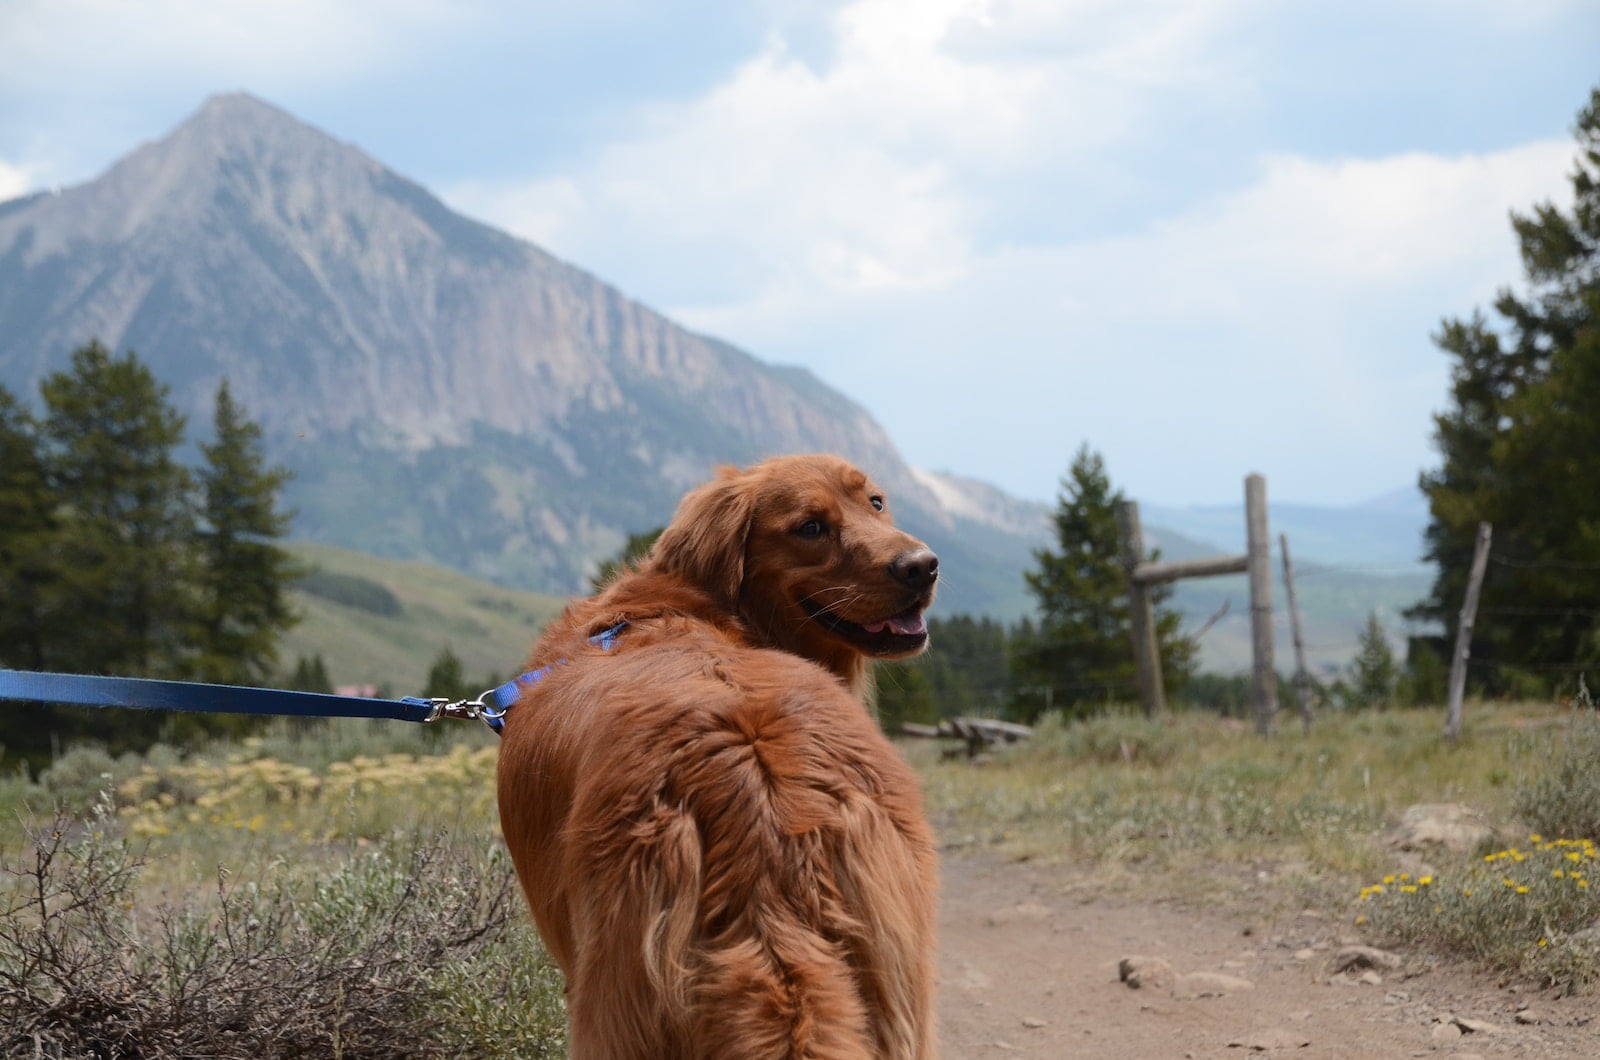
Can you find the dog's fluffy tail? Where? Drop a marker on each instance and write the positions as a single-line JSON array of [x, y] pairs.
[[777, 919]]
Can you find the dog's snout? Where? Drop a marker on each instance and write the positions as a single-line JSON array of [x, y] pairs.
[[915, 567]]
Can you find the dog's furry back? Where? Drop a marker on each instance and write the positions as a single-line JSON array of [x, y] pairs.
[[738, 811], [721, 850]]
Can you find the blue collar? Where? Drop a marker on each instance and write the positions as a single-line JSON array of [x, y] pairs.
[[507, 694]]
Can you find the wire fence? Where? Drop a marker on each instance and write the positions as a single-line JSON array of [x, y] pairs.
[[1322, 570], [1126, 688]]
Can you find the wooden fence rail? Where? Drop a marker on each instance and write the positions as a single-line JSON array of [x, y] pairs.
[[1256, 562]]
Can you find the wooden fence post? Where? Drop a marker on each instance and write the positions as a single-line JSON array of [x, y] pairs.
[[1302, 680], [1146, 657], [1258, 551], [1469, 615]]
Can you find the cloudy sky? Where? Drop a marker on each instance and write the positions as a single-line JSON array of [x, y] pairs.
[[1206, 238]]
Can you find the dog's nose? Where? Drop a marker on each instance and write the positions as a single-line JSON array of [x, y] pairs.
[[915, 567]]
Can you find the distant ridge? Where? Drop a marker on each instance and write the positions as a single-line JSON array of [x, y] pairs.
[[443, 390]]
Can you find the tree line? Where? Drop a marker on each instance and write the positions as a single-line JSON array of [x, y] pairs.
[[1520, 445], [1074, 655], [118, 558]]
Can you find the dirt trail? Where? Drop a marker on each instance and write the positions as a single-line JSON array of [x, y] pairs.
[[1029, 968]]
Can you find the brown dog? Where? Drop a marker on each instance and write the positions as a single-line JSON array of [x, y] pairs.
[[722, 852]]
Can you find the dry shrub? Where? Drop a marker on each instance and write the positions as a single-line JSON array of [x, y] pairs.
[[400, 950], [1563, 797]]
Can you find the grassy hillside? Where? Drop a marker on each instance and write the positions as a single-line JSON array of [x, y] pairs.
[[384, 621]]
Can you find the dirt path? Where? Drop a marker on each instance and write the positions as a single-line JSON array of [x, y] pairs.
[[1029, 968]]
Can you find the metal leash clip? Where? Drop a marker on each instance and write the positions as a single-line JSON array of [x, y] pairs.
[[484, 708], [459, 708]]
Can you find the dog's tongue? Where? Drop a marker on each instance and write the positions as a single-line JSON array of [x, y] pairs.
[[910, 624]]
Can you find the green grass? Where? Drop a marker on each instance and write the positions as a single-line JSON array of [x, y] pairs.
[[1193, 786], [490, 628]]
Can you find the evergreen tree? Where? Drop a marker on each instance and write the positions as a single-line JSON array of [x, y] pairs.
[[636, 548], [1520, 447], [243, 576], [904, 694], [311, 675], [28, 622], [967, 665], [1374, 670], [1080, 654], [445, 677], [111, 438]]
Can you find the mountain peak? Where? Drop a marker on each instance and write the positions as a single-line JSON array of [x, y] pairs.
[[398, 353], [237, 125], [233, 106], [230, 155]]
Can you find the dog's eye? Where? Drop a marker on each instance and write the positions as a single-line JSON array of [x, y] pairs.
[[876, 502], [811, 528]]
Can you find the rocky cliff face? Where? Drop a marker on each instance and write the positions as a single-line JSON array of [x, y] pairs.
[[442, 389]]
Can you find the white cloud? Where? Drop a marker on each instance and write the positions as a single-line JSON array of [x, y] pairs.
[[874, 173], [841, 214], [1283, 327], [14, 181]]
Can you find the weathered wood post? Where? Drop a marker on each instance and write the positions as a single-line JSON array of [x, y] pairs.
[[1302, 679], [1256, 562], [1264, 678], [1469, 615], [1146, 657]]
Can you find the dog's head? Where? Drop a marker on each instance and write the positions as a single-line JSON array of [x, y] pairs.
[[804, 549]]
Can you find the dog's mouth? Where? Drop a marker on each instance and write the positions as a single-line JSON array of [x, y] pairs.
[[903, 634]]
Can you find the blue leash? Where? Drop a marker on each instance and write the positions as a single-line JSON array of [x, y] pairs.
[[146, 694]]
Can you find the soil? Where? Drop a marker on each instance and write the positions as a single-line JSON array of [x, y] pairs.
[[1029, 967]]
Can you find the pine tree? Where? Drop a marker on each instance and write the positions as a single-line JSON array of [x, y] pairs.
[[244, 576], [1520, 447], [445, 678], [904, 694], [311, 675], [1374, 670], [634, 549], [111, 438], [28, 621], [1081, 649]]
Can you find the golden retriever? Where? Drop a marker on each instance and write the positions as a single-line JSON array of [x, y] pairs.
[[721, 850]]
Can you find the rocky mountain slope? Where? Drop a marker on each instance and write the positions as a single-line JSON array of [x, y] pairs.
[[442, 390]]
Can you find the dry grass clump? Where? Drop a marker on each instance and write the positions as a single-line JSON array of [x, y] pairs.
[[415, 947], [1162, 796], [1562, 796], [248, 791]]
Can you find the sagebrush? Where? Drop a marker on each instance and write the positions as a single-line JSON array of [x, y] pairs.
[[411, 948]]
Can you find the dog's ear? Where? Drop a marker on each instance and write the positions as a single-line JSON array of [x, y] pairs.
[[705, 542]]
